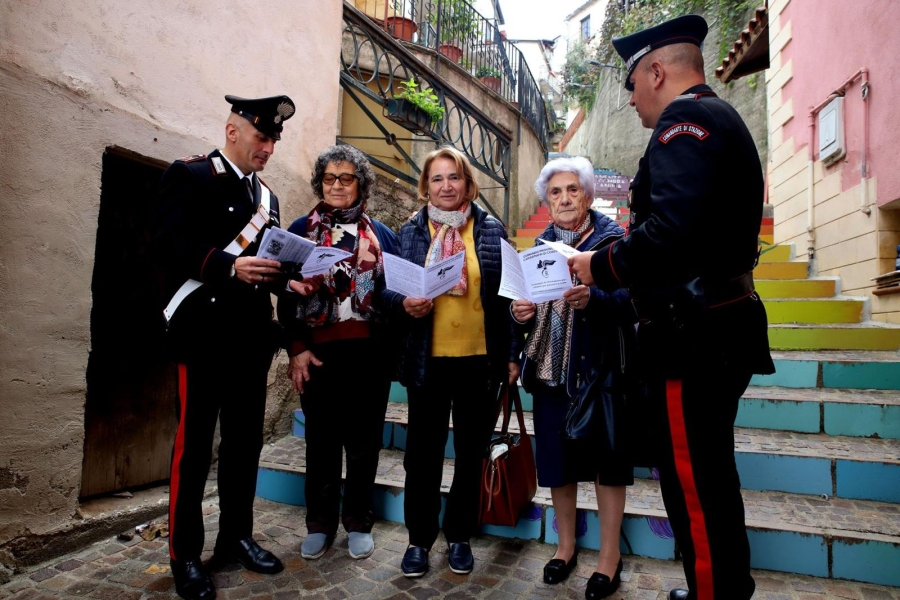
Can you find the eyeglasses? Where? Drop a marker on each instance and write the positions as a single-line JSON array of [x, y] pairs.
[[345, 178]]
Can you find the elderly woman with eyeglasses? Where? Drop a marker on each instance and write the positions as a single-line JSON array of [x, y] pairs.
[[339, 357], [577, 346]]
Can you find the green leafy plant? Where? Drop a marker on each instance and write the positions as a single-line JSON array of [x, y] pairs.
[[459, 22], [579, 77], [485, 71], [424, 99]]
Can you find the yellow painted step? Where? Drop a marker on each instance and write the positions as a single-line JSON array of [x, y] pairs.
[[522, 243], [767, 239], [814, 311], [779, 253], [782, 270], [795, 288], [864, 336]]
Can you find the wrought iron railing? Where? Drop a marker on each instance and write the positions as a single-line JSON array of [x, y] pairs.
[[474, 43], [375, 66]]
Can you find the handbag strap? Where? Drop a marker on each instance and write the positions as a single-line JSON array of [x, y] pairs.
[[507, 392]]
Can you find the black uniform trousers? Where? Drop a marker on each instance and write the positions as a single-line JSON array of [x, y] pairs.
[[235, 395], [464, 387], [344, 404], [694, 413]]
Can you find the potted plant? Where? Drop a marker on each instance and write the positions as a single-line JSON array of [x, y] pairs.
[[399, 26], [458, 25], [489, 77], [414, 109]]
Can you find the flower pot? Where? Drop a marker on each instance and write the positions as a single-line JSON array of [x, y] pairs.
[[409, 116], [454, 53], [401, 28], [491, 81], [374, 9]]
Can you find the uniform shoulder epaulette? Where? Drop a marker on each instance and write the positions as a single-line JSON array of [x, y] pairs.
[[194, 158]]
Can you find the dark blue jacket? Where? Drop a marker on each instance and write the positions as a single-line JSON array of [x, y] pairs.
[[296, 330], [502, 343], [603, 333]]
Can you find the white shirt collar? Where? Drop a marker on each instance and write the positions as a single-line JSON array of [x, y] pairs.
[[237, 171]]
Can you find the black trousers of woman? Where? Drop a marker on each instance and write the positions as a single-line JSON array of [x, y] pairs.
[[462, 386], [344, 406]]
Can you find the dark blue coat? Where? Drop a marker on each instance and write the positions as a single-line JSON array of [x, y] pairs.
[[501, 341], [603, 332]]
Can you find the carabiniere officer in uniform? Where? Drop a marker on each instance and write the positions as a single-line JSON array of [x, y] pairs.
[[221, 333], [696, 209]]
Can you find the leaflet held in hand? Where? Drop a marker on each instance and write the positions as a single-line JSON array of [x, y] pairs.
[[538, 274], [284, 246], [413, 281]]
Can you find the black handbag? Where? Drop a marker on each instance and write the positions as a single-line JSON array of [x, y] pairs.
[[592, 413]]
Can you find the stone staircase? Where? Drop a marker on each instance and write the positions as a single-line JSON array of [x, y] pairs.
[[817, 443]]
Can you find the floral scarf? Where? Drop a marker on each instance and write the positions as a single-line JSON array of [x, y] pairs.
[[447, 240], [365, 266], [548, 345]]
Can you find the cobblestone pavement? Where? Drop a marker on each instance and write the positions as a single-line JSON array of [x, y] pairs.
[[505, 569]]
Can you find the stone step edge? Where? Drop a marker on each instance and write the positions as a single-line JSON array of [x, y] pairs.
[[636, 512], [822, 395]]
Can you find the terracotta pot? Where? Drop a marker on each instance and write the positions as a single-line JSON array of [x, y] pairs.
[[401, 28], [454, 53], [491, 81]]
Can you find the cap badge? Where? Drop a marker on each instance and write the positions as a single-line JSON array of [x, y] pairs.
[[284, 111]]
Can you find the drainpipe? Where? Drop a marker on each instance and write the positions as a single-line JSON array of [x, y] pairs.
[[862, 74]]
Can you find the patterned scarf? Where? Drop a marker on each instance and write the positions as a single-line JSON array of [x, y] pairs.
[[365, 266], [447, 240], [548, 345]]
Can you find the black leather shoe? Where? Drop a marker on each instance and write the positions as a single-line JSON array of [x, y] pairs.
[[415, 562], [557, 569], [191, 581], [601, 586], [678, 594], [460, 558], [251, 556]]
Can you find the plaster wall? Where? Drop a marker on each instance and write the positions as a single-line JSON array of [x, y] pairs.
[[76, 78], [812, 53]]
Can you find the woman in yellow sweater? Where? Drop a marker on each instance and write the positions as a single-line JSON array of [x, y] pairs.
[[458, 349]]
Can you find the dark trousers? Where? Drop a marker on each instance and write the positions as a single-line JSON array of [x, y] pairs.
[[235, 395], [344, 405], [699, 480], [464, 387]]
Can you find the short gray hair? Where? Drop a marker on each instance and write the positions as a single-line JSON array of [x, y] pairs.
[[348, 154], [578, 165]]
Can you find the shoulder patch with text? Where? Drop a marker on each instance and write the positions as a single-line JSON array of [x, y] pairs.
[[681, 129]]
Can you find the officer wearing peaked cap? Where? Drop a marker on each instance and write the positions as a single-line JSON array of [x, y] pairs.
[[696, 209], [221, 333]]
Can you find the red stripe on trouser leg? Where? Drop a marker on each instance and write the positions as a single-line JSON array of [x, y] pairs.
[[177, 453], [682, 455]]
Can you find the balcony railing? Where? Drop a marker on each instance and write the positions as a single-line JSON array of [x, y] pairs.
[[455, 29]]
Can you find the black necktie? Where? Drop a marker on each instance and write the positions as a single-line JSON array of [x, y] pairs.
[[251, 193]]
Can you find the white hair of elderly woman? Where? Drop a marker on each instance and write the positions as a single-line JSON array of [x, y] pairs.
[[578, 165]]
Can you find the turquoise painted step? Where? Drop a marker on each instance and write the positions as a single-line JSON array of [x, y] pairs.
[[834, 369], [398, 394], [864, 336], [814, 310], [788, 532], [853, 413]]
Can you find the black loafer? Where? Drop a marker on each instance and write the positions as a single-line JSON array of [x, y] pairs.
[[601, 586], [191, 581], [678, 594], [557, 569], [415, 562], [251, 556], [460, 558]]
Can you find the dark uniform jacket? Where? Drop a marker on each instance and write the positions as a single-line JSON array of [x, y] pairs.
[[696, 213], [199, 213], [500, 338]]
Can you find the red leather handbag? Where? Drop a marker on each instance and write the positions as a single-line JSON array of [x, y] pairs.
[[508, 474]]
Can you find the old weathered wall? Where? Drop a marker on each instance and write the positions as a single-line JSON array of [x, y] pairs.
[[612, 135], [76, 78]]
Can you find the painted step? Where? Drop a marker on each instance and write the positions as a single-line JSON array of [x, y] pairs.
[[529, 233], [542, 210], [537, 222], [783, 270], [834, 369], [767, 239], [398, 394], [795, 288], [779, 253], [858, 540], [837, 412], [522, 243], [791, 462], [815, 310], [863, 336]]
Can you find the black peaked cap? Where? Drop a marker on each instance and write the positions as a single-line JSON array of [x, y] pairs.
[[689, 29], [267, 114]]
